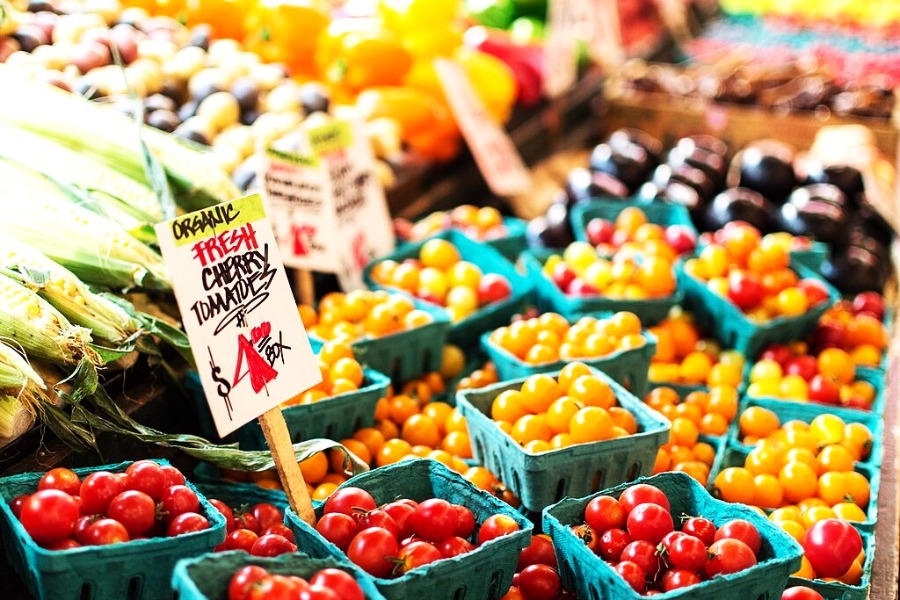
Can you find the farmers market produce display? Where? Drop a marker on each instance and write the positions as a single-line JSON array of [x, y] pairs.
[[673, 382]]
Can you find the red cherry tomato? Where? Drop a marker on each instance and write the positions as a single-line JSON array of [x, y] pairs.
[[272, 545], [373, 550], [340, 582], [81, 526], [454, 546], [173, 476], [186, 523], [135, 510], [799, 592], [687, 552], [645, 555], [49, 516], [16, 505], [587, 535], [266, 514], [244, 580], [146, 476], [642, 493], [280, 529], [729, 556], [604, 512], [700, 528], [177, 500], [831, 545], [674, 579], [104, 532], [400, 513], [649, 522], [465, 524], [239, 539], [434, 520], [62, 479], [377, 518], [338, 528], [345, 500], [226, 512], [97, 491], [496, 526], [539, 582], [739, 529], [612, 543], [538, 552], [246, 520], [416, 555], [632, 575]]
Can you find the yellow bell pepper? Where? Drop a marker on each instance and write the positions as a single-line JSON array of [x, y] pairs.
[[494, 81], [357, 54], [290, 29]]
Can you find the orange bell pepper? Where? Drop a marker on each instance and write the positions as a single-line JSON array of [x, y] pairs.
[[225, 17], [358, 54], [425, 123], [288, 30]]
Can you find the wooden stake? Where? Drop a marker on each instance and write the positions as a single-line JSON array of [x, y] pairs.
[[306, 287], [279, 440]]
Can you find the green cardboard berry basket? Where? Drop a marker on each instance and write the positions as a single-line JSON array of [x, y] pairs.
[[207, 577], [405, 355], [466, 332], [542, 479], [731, 326], [835, 590], [812, 258], [627, 367], [874, 378], [334, 418], [484, 573], [592, 579], [236, 495], [550, 298], [806, 412], [139, 569], [734, 456], [660, 213]]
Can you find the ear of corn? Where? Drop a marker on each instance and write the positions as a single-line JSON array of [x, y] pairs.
[[59, 286], [124, 198], [113, 139], [16, 375], [16, 417], [30, 322], [39, 212]]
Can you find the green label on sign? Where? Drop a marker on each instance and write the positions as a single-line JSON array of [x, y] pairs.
[[289, 157], [331, 137], [217, 219]]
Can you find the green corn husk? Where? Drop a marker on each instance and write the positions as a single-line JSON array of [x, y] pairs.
[[16, 375], [38, 211], [40, 330], [16, 418], [60, 287], [126, 201], [113, 139]]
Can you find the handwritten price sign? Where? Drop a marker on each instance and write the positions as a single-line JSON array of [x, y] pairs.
[[238, 310], [496, 155]]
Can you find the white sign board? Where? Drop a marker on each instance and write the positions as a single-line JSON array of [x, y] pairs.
[[251, 349]]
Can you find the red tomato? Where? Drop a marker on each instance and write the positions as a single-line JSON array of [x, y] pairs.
[[81, 526], [49, 516], [434, 520], [344, 500], [239, 539], [66, 544], [729, 556], [226, 512], [687, 552], [246, 520], [649, 522], [700, 528], [104, 532], [377, 518], [177, 500], [400, 513], [97, 491], [272, 545], [739, 529], [61, 479], [244, 580], [135, 510], [465, 524], [612, 543], [266, 514], [538, 552], [146, 476], [645, 555], [275, 587], [416, 555], [373, 550], [824, 391], [338, 528], [831, 545], [340, 582], [493, 288], [188, 522], [604, 512], [496, 526], [814, 289], [642, 493], [173, 476], [454, 546], [678, 578], [280, 529], [318, 592], [16, 505], [744, 289], [539, 582], [799, 592], [632, 575]]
